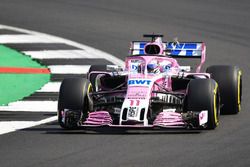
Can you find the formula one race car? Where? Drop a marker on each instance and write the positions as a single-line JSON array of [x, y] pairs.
[[152, 91]]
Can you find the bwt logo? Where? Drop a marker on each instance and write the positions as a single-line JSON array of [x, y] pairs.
[[139, 82]]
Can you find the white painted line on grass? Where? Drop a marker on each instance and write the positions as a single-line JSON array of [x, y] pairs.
[[31, 106], [50, 87], [11, 126], [69, 69], [25, 39], [60, 54]]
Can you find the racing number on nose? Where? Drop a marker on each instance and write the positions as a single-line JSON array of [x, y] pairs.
[[133, 101]]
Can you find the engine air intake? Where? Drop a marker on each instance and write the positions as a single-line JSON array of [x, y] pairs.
[[152, 49]]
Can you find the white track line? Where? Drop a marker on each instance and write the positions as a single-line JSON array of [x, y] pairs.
[[31, 106], [60, 54], [24, 39], [46, 106], [11, 126], [69, 69], [92, 51], [50, 87]]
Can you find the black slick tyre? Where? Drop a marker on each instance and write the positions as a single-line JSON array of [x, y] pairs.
[[229, 79], [203, 94], [74, 102]]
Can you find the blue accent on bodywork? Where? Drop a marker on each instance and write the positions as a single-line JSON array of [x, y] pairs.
[[141, 51], [189, 52], [184, 49], [142, 45], [171, 45]]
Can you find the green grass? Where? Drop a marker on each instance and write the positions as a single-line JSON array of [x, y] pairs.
[[14, 87], [13, 58]]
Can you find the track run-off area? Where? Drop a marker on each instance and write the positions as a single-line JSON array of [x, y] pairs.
[[63, 57], [109, 26]]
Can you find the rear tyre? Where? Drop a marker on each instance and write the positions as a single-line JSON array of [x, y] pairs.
[[74, 102], [203, 94], [229, 79]]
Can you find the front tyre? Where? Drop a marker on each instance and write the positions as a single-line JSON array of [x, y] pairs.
[[203, 94], [74, 102]]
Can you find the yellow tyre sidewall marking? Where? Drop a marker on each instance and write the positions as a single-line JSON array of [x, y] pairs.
[[216, 120], [90, 88], [239, 82]]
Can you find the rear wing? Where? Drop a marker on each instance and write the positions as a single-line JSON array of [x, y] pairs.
[[184, 49], [173, 49]]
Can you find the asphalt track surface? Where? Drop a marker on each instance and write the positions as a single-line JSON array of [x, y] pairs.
[[109, 25]]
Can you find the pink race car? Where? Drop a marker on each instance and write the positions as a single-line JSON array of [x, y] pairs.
[[152, 90]]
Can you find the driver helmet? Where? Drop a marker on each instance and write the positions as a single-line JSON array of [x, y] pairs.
[[153, 68]]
